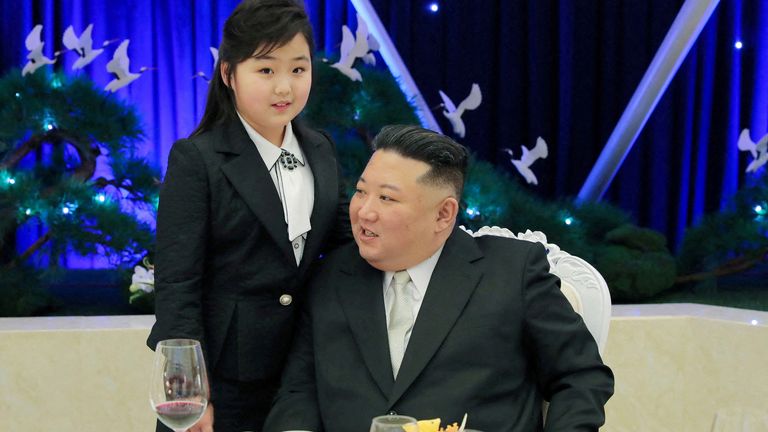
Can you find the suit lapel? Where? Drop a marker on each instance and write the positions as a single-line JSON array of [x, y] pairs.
[[323, 164], [361, 296], [252, 181], [452, 283]]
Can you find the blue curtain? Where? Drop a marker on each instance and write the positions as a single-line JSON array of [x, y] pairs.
[[563, 70], [172, 36]]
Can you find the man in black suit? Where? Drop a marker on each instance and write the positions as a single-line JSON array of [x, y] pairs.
[[422, 319]]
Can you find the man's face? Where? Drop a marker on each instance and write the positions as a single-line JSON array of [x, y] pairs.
[[394, 216]]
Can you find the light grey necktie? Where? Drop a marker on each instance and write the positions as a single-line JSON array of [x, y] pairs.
[[400, 319]]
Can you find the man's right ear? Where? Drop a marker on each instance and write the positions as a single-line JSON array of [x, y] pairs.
[[224, 70]]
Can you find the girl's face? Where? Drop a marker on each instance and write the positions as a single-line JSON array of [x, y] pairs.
[[272, 89]]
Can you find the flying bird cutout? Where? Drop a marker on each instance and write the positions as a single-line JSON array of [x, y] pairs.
[[453, 113], [83, 46], [34, 44], [215, 55], [354, 47], [119, 67], [758, 150], [523, 164]]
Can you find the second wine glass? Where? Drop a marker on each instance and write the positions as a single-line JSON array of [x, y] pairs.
[[394, 423]]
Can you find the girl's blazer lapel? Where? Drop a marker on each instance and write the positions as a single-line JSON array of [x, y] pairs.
[[321, 159], [252, 181]]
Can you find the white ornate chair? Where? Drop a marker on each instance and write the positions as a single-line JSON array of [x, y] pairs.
[[581, 283]]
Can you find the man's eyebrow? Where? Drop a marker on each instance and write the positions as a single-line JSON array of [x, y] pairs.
[[383, 186], [390, 186]]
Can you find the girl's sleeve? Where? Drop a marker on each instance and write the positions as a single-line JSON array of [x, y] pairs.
[[182, 229]]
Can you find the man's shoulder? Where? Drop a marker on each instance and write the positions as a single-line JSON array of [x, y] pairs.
[[496, 240], [340, 258], [330, 270], [344, 252]]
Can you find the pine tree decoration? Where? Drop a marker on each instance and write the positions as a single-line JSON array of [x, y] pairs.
[[731, 240], [55, 130], [355, 111]]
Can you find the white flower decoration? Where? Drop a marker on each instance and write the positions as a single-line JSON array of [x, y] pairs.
[[142, 280]]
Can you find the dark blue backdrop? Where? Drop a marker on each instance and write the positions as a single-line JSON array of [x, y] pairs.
[[562, 70]]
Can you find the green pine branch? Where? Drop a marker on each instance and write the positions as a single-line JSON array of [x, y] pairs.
[[73, 122]]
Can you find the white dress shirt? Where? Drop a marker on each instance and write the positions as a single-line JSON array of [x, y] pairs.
[[295, 186], [417, 287]]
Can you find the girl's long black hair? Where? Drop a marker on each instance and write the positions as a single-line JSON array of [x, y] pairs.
[[255, 28]]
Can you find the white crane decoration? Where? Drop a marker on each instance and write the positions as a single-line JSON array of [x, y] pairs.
[[34, 44], [523, 164], [215, 55], [759, 150], [119, 67], [354, 47], [453, 113], [83, 46]]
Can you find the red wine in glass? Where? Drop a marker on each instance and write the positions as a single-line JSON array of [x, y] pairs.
[[179, 414], [179, 385]]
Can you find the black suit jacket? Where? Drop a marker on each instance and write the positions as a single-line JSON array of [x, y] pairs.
[[223, 256], [493, 338]]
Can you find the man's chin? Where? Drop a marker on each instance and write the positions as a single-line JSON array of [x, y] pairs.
[[369, 256], [364, 251]]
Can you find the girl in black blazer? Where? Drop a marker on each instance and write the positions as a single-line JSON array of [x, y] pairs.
[[249, 201]]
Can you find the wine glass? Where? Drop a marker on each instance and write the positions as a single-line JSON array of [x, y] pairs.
[[394, 423], [179, 387]]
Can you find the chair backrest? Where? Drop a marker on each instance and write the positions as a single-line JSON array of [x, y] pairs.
[[581, 283]]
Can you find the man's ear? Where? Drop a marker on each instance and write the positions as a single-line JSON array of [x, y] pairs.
[[224, 71], [446, 214]]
